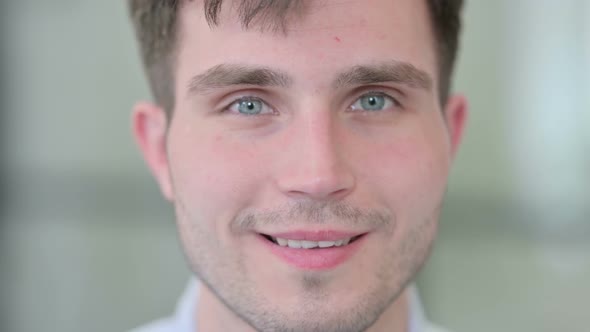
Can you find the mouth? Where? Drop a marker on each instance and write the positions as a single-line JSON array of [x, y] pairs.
[[323, 250], [308, 244]]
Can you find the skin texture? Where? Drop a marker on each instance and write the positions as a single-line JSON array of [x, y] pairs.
[[314, 160]]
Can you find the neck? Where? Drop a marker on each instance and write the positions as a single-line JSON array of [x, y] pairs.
[[213, 316]]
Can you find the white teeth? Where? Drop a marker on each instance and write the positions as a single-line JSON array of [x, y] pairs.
[[281, 242], [298, 244], [326, 244], [309, 244]]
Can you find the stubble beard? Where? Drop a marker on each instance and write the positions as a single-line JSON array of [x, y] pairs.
[[240, 296]]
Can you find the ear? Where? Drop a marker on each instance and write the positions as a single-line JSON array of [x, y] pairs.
[[456, 112], [149, 126]]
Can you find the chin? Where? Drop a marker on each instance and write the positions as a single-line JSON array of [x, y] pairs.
[[317, 319], [316, 310]]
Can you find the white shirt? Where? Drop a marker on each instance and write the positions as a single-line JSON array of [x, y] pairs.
[[183, 319]]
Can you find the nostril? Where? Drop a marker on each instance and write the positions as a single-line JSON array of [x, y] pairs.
[[341, 192], [318, 183], [320, 193]]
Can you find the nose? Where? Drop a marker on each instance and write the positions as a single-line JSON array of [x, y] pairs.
[[315, 165]]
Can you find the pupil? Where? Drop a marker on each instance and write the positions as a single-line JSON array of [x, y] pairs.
[[250, 107], [372, 103]]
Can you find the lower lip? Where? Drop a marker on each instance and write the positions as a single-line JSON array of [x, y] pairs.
[[314, 259]]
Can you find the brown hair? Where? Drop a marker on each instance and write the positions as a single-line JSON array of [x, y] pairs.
[[155, 26]]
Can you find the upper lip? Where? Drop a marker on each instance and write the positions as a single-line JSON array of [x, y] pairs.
[[318, 235]]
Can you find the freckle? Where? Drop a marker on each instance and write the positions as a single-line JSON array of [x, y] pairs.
[[337, 39]]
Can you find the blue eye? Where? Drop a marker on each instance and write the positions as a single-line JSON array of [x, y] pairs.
[[250, 106], [373, 102]]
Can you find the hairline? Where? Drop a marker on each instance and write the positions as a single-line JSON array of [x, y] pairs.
[[168, 62]]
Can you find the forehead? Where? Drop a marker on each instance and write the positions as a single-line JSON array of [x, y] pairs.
[[324, 37]]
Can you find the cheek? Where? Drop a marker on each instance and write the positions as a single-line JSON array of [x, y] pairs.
[[410, 171], [213, 175]]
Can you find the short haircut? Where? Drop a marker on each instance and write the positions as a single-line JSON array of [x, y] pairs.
[[155, 23]]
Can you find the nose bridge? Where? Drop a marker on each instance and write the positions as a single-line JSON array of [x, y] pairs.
[[320, 144], [317, 168]]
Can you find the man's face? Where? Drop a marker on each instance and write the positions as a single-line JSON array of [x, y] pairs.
[[328, 134]]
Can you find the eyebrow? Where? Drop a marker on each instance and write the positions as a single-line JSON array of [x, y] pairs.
[[394, 71], [225, 75]]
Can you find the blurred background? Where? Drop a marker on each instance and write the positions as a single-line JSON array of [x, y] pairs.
[[87, 244]]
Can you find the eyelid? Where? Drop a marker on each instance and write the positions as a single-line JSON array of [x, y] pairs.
[[248, 97], [376, 92], [379, 93], [254, 95]]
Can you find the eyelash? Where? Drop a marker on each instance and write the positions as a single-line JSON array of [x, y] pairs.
[[227, 109], [393, 100], [235, 102]]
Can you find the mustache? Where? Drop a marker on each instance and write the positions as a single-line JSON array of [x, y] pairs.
[[314, 213]]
